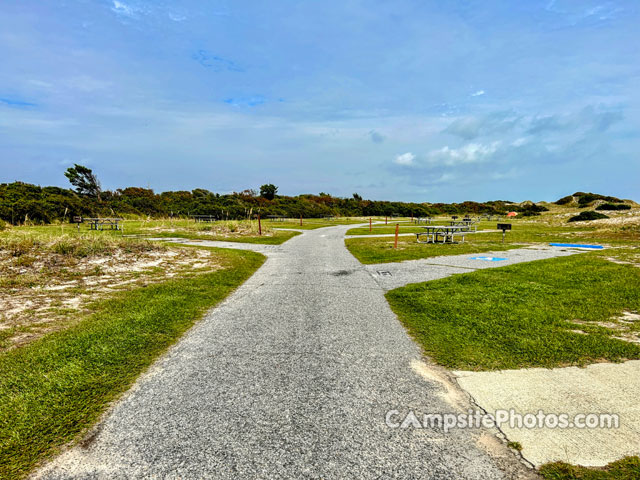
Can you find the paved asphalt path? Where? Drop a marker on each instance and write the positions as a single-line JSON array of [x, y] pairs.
[[290, 377]]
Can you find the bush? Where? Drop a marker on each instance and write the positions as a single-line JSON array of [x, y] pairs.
[[613, 206], [587, 215], [585, 199], [565, 200]]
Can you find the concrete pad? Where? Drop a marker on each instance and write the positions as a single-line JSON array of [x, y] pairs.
[[597, 389]]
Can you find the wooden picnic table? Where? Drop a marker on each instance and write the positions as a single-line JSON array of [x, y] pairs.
[[420, 220], [204, 218], [442, 233], [464, 223], [101, 223]]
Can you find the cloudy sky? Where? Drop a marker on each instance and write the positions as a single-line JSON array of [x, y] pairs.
[[421, 100]]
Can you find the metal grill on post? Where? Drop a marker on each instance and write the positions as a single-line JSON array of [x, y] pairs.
[[504, 227]]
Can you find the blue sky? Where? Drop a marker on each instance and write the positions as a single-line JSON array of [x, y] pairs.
[[442, 100]]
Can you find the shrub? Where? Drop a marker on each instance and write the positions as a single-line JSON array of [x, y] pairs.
[[564, 200], [613, 206], [585, 199], [587, 215]]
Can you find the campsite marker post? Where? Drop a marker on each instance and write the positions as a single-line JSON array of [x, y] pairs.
[[395, 243], [259, 225]]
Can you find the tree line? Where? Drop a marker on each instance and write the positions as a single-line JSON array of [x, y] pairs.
[[22, 202]]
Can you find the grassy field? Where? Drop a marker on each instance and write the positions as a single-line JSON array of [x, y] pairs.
[[63, 364], [625, 469], [549, 313]]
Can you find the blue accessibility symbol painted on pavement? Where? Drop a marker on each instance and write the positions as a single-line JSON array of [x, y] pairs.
[[489, 259]]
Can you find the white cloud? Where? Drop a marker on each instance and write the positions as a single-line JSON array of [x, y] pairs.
[[518, 142], [470, 153], [404, 159], [122, 9], [478, 93]]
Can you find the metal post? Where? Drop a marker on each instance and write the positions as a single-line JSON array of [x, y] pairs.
[[395, 243]]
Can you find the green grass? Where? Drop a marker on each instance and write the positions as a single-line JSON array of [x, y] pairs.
[[380, 250], [626, 469], [54, 389], [521, 315]]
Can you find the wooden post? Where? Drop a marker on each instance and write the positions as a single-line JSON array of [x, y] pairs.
[[395, 243], [300, 219], [369, 223], [259, 225], [385, 220]]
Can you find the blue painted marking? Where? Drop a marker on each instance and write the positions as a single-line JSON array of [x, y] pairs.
[[576, 245], [489, 259]]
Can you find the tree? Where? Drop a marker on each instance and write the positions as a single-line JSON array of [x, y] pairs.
[[85, 181], [357, 197], [268, 191]]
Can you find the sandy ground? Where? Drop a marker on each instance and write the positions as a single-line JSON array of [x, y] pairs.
[[52, 291]]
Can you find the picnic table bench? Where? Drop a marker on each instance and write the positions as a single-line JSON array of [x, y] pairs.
[[420, 220], [204, 218], [102, 223], [443, 233]]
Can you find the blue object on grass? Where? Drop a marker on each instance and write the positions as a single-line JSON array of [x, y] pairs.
[[489, 259], [576, 245]]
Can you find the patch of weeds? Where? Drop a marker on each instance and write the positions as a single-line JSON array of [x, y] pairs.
[[626, 469]]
